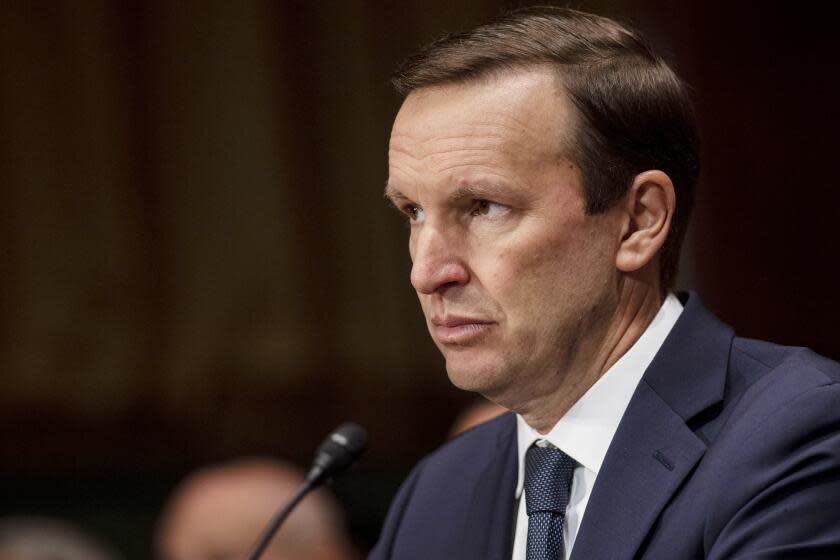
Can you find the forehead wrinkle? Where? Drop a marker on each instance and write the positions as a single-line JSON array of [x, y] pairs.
[[521, 143], [440, 143], [460, 131], [442, 158], [464, 156], [442, 151], [461, 164], [429, 126]]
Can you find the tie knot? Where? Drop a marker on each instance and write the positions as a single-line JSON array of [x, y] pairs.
[[548, 478]]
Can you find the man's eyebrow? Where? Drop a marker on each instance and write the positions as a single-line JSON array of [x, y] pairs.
[[480, 191], [394, 195]]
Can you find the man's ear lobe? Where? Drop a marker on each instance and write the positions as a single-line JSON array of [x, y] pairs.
[[648, 208]]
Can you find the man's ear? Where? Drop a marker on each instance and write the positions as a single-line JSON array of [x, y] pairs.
[[648, 209]]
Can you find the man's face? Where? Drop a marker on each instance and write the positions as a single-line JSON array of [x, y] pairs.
[[512, 276]]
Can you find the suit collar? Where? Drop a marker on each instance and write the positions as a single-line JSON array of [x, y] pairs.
[[689, 372], [654, 449]]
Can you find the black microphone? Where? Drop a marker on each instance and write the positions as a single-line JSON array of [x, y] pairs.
[[334, 455]]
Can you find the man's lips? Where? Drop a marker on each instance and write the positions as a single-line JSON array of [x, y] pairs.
[[456, 329]]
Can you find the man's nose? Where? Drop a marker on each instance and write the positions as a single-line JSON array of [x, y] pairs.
[[436, 263]]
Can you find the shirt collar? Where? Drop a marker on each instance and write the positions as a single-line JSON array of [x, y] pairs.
[[586, 430]]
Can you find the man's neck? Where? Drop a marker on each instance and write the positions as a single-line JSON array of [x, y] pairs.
[[637, 305]]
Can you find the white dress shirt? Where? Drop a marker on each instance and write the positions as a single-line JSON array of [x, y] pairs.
[[586, 430]]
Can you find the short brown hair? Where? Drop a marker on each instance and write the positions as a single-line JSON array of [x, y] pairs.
[[635, 112]]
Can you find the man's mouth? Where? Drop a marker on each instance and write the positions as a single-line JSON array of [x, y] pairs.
[[459, 330]]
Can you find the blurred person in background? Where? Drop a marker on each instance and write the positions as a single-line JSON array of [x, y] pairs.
[[477, 413], [25, 538], [218, 512]]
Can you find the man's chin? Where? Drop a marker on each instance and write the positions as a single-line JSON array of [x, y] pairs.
[[472, 377]]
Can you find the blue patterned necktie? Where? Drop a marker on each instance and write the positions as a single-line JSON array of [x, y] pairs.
[[548, 479]]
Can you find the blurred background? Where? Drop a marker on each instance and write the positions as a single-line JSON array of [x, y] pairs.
[[198, 264]]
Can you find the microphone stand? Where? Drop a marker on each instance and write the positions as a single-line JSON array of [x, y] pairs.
[[342, 447], [278, 519]]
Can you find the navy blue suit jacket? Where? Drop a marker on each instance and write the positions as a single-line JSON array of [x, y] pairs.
[[729, 448]]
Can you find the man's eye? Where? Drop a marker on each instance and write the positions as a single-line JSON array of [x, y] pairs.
[[487, 208], [415, 214]]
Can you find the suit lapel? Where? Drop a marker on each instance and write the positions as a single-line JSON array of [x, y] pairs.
[[654, 449], [488, 530], [651, 454]]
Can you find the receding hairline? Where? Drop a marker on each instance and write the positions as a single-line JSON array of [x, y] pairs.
[[549, 35]]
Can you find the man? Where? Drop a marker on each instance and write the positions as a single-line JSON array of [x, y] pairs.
[[545, 163], [38, 538], [477, 413], [219, 512]]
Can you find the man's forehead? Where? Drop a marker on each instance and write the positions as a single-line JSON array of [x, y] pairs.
[[427, 137], [526, 106]]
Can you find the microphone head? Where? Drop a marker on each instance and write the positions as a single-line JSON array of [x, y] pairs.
[[338, 451]]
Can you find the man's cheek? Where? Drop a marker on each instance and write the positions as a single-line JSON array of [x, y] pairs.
[[424, 303]]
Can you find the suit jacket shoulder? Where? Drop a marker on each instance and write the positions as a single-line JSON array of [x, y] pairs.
[[776, 457], [754, 453], [458, 502]]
